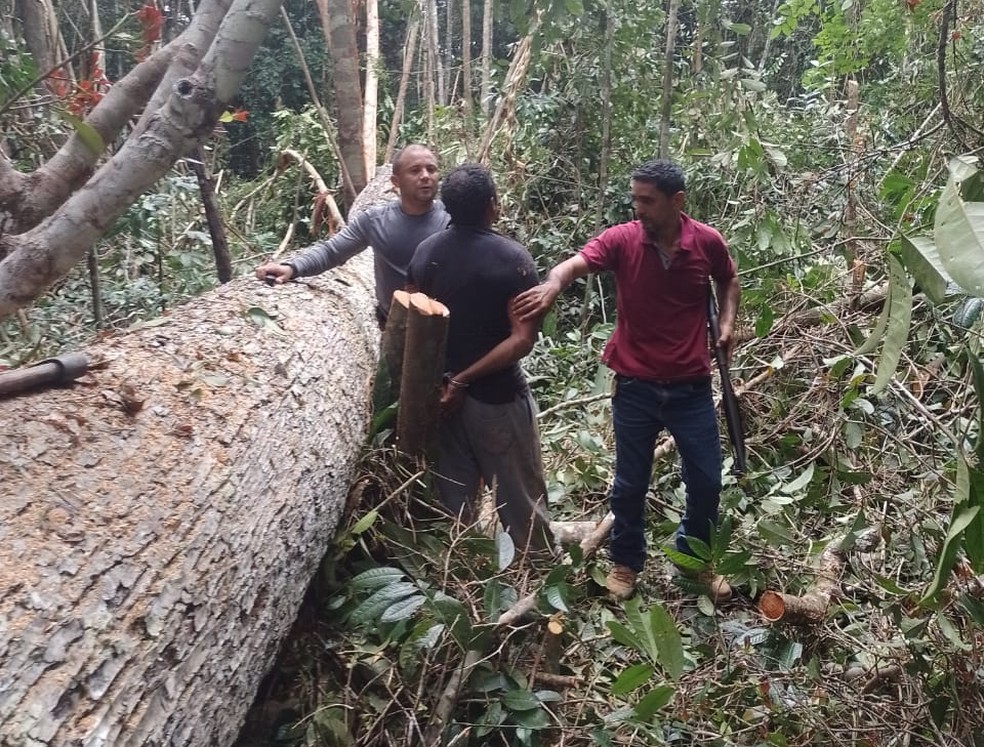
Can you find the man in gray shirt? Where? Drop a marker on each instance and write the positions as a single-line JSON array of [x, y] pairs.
[[393, 230]]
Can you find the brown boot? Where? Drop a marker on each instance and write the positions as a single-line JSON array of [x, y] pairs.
[[621, 581], [718, 589]]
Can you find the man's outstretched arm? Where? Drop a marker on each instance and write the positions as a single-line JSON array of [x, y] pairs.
[[534, 303]]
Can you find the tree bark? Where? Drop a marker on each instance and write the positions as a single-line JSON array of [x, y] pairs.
[[339, 28], [409, 48], [161, 520], [372, 86], [666, 109], [466, 64], [420, 375], [30, 260], [486, 64]]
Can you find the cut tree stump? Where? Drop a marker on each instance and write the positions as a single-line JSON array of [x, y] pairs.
[[420, 378], [161, 520]]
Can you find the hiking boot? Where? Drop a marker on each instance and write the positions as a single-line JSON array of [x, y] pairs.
[[718, 589], [621, 581]]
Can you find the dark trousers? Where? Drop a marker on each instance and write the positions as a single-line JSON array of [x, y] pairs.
[[640, 411]]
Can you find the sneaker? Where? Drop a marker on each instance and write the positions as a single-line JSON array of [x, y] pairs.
[[621, 581], [718, 589]]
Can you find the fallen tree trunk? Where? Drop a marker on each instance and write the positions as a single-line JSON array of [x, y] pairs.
[[161, 519]]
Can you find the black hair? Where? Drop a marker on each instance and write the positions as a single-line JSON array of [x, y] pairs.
[[666, 176], [400, 153], [466, 193]]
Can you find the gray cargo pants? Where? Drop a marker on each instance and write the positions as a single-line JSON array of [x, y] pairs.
[[499, 444]]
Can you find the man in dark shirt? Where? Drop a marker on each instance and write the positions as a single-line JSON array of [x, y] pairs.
[[488, 428], [393, 230], [663, 263]]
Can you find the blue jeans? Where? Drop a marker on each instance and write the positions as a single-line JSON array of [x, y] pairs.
[[640, 410]]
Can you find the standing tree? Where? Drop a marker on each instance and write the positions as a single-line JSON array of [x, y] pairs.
[[49, 218]]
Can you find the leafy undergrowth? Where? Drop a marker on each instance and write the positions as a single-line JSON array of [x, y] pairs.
[[404, 642]]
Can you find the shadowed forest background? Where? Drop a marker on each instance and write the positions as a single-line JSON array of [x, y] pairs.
[[835, 146]]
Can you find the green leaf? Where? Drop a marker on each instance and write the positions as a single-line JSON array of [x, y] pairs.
[[775, 534], [898, 325], [505, 550], [871, 344], [683, 560], [752, 84], [260, 318], [641, 628], [633, 677], [668, 641], [88, 134], [656, 699], [375, 577], [922, 260], [800, 482], [379, 600], [520, 700], [365, 522], [959, 231], [492, 599], [962, 517], [402, 609], [555, 596], [626, 637]]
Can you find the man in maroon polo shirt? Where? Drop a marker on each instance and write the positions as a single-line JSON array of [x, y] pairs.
[[663, 263]]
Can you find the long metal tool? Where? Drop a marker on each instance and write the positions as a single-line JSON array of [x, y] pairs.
[[732, 415], [52, 372]]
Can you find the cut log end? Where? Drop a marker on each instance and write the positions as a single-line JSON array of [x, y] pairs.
[[808, 609]]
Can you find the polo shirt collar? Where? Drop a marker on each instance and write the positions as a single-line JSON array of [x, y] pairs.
[[688, 233]]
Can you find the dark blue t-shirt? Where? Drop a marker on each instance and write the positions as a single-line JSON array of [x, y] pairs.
[[475, 272]]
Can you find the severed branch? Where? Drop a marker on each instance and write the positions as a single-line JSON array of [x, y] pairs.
[[810, 608]]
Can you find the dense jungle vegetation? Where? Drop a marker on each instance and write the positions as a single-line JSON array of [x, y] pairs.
[[835, 145]]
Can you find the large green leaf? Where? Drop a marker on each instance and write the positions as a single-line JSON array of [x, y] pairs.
[[658, 697], [897, 331], [633, 677], [963, 516], [959, 230], [664, 632], [922, 259]]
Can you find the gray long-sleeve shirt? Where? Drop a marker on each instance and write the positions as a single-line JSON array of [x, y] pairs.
[[393, 236]]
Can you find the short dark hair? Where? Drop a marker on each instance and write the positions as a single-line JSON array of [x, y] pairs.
[[666, 176], [466, 193], [408, 147]]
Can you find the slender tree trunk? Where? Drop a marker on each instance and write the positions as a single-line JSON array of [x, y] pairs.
[[606, 150], [339, 28], [409, 49], [428, 14], [326, 123], [466, 63], [372, 77], [41, 34], [666, 109], [434, 47], [95, 287], [486, 93]]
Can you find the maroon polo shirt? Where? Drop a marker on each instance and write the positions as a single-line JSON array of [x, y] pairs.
[[661, 329]]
